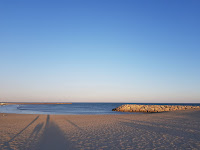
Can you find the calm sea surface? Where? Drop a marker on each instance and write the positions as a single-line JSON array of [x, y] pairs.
[[72, 109]]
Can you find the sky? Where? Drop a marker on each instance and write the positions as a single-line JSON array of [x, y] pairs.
[[100, 51]]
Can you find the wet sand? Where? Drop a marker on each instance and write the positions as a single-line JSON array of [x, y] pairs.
[[170, 130]]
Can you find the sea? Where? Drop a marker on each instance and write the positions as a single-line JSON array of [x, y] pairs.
[[75, 108]]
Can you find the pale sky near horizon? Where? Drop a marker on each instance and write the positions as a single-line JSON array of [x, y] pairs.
[[100, 51]]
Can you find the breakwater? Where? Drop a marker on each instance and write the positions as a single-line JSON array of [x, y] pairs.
[[152, 108]]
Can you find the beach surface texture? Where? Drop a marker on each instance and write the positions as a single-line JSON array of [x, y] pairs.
[[168, 130]]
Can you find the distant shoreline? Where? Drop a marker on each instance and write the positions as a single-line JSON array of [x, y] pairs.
[[23, 103]]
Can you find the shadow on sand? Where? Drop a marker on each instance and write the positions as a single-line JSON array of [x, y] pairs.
[[173, 130], [73, 124], [36, 130], [53, 138], [6, 145]]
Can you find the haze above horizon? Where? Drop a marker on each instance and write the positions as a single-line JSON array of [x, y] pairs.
[[100, 51]]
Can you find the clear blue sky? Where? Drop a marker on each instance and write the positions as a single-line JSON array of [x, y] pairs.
[[100, 50]]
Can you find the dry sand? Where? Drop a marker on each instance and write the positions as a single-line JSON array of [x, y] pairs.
[[171, 130]]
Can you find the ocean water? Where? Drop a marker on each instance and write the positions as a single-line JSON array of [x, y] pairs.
[[71, 109]]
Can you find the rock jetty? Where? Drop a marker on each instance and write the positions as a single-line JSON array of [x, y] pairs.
[[152, 108]]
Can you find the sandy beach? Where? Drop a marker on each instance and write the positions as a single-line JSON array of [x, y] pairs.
[[171, 130]]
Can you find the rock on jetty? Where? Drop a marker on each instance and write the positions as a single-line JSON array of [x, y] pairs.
[[152, 108]]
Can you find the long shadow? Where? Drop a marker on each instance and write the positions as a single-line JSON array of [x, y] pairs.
[[174, 125], [161, 130], [53, 138], [74, 125], [6, 145], [30, 141], [47, 120], [36, 131]]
